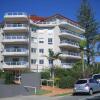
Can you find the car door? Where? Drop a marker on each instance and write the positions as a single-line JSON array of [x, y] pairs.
[[97, 85], [93, 85]]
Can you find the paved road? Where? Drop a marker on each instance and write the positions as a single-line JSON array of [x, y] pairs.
[[82, 97]]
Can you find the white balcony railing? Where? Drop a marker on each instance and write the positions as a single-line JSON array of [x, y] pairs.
[[15, 50], [67, 65], [13, 64], [71, 32], [69, 42], [62, 22], [7, 39], [70, 53], [16, 63], [15, 13], [16, 25]]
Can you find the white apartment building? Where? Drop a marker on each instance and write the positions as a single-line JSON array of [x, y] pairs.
[[26, 39]]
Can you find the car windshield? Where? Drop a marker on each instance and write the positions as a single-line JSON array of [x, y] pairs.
[[96, 76], [81, 81]]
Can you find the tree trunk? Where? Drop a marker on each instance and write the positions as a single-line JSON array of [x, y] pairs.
[[83, 67], [52, 70], [88, 53]]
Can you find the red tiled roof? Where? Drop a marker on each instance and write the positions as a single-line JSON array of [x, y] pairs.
[[36, 18]]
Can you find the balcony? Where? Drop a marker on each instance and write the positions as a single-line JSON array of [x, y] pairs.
[[16, 16], [15, 39], [70, 55], [15, 65], [72, 25], [71, 34], [16, 28], [64, 23], [45, 24], [67, 65], [69, 44], [15, 52]]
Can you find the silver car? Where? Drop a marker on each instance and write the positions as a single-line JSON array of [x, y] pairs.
[[96, 77], [86, 86]]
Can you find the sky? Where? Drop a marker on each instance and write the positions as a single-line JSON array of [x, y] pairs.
[[68, 8]]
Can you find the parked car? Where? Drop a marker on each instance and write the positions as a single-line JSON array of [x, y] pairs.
[[88, 85], [96, 77]]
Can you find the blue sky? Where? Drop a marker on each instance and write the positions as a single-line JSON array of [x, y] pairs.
[[67, 8]]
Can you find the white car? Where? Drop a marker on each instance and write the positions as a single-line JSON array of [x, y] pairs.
[[87, 85], [96, 77]]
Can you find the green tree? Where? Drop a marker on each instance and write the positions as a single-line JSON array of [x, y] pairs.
[[86, 20], [93, 51], [82, 45], [51, 57]]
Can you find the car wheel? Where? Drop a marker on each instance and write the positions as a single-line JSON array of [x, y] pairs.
[[91, 92], [73, 94]]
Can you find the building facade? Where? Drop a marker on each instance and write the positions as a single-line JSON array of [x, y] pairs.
[[25, 41]]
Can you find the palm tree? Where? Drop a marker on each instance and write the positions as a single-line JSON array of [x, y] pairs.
[[51, 57]]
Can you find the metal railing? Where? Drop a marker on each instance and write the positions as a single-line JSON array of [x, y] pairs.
[[16, 63], [15, 37], [71, 53], [16, 50], [69, 42], [15, 13], [61, 22], [16, 25], [70, 64], [71, 32]]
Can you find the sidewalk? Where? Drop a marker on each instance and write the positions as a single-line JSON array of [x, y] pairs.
[[56, 91]]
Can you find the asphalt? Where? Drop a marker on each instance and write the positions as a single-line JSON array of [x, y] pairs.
[[31, 98]]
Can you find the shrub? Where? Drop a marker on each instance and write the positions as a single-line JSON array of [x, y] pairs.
[[45, 75], [62, 82], [9, 77], [70, 81], [67, 82]]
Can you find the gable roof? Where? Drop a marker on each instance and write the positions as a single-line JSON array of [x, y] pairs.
[[40, 19], [35, 18]]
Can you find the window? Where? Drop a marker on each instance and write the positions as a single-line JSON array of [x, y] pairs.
[[41, 50], [49, 40], [33, 50], [33, 61], [81, 81], [41, 61], [41, 41], [34, 39], [50, 62]]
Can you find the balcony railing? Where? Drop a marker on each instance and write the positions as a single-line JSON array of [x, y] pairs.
[[15, 37], [16, 50], [16, 63], [71, 53], [16, 25], [71, 32], [69, 42], [67, 64], [15, 13]]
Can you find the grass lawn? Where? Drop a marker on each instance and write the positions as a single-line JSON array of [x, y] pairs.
[[63, 94], [42, 92]]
